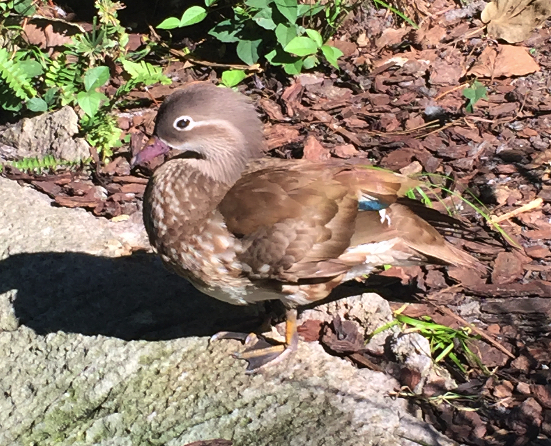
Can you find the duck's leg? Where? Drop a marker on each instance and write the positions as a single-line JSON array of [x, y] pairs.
[[260, 353]]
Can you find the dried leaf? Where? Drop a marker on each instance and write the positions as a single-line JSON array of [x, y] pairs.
[[429, 37], [391, 37], [45, 37], [507, 61], [514, 20]]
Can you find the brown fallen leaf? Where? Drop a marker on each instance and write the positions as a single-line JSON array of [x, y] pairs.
[[507, 60], [391, 37], [514, 20], [310, 330], [348, 48], [45, 37], [429, 37], [48, 32], [291, 97]]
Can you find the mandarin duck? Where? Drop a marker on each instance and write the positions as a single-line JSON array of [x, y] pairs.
[[243, 229]]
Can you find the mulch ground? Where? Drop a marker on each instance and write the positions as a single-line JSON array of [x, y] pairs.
[[397, 102]]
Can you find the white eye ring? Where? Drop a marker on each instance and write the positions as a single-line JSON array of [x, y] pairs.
[[183, 123]]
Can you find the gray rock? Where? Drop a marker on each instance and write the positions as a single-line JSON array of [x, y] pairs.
[[103, 349], [412, 350], [369, 310], [46, 134]]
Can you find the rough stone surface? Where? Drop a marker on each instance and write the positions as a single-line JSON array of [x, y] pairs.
[[46, 134], [104, 350], [369, 310]]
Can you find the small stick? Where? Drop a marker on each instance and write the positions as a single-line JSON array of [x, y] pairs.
[[476, 330], [450, 90], [527, 207]]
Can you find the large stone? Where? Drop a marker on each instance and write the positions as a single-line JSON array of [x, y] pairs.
[[103, 349], [46, 134]]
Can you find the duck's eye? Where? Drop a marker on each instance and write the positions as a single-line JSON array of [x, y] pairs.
[[183, 123]]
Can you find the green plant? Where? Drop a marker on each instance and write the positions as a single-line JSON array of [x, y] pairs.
[[90, 99], [473, 94], [30, 77], [230, 78], [102, 132], [64, 78], [473, 202], [140, 73], [40, 165], [400, 14], [270, 29], [445, 342], [11, 13], [24, 8], [17, 73]]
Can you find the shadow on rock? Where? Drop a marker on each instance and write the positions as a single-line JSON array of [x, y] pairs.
[[130, 298]]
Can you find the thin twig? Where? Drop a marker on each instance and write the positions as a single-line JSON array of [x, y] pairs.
[[527, 207], [449, 91], [477, 330], [188, 57]]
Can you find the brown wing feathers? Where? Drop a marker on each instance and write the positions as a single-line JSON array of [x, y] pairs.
[[295, 221], [290, 223]]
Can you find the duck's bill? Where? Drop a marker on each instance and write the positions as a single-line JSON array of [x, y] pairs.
[[154, 148]]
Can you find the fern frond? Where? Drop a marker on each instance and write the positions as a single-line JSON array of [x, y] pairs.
[[14, 75], [45, 164], [66, 77]]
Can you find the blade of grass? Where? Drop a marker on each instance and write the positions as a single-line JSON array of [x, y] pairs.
[[400, 14]]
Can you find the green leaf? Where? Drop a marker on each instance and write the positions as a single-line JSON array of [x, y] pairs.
[[279, 57], [293, 68], [247, 50], [315, 36], [50, 95], [309, 9], [90, 101], [210, 2], [31, 67], [258, 4], [331, 54], [474, 93], [285, 34], [37, 105], [132, 68], [310, 62], [301, 46], [193, 15], [288, 8], [95, 78], [14, 81], [270, 56], [230, 78], [227, 30], [24, 7], [264, 19], [170, 23]]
